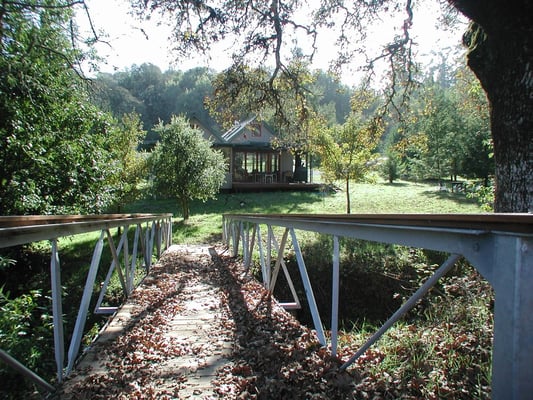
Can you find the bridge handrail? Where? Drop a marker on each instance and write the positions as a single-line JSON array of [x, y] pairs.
[[19, 230], [499, 246]]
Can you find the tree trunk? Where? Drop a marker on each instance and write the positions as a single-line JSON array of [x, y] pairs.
[[500, 45], [348, 208], [185, 209]]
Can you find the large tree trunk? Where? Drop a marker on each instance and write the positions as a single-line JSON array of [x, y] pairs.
[[500, 45]]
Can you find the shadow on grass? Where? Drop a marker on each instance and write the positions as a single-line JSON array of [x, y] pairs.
[[224, 203], [264, 202], [181, 229], [458, 198], [397, 184]]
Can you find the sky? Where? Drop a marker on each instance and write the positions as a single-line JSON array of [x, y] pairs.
[[131, 41]]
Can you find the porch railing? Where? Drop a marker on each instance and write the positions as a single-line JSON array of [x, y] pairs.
[[499, 246], [151, 232]]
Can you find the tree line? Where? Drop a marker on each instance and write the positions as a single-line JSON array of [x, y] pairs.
[[59, 132], [443, 131]]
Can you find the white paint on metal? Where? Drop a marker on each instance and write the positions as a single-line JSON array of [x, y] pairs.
[[84, 305], [57, 310], [499, 246], [308, 290], [410, 303], [335, 296]]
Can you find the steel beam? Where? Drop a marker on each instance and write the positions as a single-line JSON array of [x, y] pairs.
[[84, 304], [17, 366], [499, 246], [410, 303], [512, 376], [308, 290], [57, 310], [335, 296], [16, 230]]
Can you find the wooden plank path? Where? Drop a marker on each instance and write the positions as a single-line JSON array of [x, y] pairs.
[[197, 328]]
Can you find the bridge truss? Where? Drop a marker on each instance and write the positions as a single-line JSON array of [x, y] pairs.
[[499, 246]]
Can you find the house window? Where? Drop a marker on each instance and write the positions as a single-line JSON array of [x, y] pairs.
[[251, 166]]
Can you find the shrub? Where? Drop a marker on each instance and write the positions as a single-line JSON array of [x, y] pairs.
[[26, 333]]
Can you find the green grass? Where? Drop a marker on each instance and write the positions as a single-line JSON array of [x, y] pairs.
[[205, 223], [205, 226]]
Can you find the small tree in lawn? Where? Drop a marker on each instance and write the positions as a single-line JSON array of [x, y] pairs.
[[184, 164], [131, 166], [347, 150]]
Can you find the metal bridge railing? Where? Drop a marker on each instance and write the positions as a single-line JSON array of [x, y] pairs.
[[151, 232], [499, 246]]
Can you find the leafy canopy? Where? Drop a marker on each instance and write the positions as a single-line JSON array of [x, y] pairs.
[[347, 150], [53, 143], [184, 164]]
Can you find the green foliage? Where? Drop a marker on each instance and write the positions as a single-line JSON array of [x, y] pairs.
[[131, 164], [347, 151], [390, 168], [185, 166], [155, 95], [483, 194], [6, 262], [330, 97], [447, 132], [26, 333], [443, 351], [439, 349], [53, 148], [382, 275]]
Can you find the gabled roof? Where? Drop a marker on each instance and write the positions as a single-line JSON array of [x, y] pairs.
[[236, 129], [209, 132]]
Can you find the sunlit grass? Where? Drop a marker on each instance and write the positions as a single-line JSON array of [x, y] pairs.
[[205, 223]]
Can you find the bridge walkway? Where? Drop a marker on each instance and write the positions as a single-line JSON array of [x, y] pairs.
[[199, 327]]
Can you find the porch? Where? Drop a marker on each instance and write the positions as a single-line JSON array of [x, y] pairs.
[[273, 186], [260, 169]]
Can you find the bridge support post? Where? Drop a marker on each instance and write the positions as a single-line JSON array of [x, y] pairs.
[[84, 305], [335, 296], [57, 310], [513, 318], [308, 290]]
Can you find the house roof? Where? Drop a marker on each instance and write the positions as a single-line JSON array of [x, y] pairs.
[[236, 129], [209, 132]]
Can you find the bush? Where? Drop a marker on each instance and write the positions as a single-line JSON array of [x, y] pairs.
[[483, 194], [26, 333]]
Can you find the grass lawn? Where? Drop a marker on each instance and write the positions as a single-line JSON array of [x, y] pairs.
[[205, 226], [205, 223]]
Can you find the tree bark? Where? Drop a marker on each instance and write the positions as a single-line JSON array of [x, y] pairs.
[[185, 209], [500, 42], [348, 206]]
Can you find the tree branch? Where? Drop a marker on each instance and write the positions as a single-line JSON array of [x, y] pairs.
[[44, 6]]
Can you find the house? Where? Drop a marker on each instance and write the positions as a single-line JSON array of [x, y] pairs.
[[253, 162]]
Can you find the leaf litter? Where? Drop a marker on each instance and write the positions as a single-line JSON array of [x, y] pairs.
[[271, 355]]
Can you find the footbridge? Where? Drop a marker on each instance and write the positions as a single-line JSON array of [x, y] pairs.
[[499, 246], [180, 306], [149, 234]]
